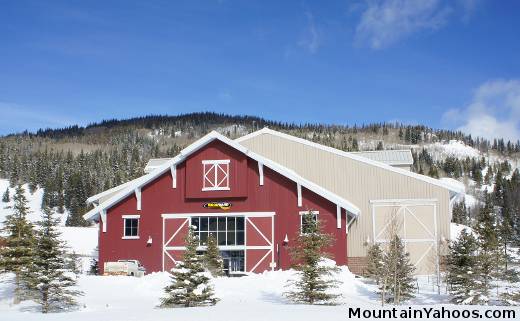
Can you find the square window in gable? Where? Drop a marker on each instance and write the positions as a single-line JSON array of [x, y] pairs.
[[215, 175]]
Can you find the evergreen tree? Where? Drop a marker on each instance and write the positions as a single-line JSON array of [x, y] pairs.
[[433, 172], [463, 270], [94, 267], [189, 281], [74, 263], [460, 213], [17, 254], [94, 263], [6, 198], [375, 268], [314, 277], [355, 145], [52, 279], [511, 298], [398, 283], [212, 259], [490, 257]]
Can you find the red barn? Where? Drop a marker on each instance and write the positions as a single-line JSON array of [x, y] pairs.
[[250, 194], [252, 205]]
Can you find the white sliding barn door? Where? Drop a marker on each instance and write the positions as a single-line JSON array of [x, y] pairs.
[[415, 221]]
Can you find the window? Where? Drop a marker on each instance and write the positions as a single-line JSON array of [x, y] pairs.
[[131, 226], [215, 175], [226, 230], [308, 222]]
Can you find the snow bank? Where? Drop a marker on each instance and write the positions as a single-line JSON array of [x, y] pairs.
[[254, 297], [81, 240]]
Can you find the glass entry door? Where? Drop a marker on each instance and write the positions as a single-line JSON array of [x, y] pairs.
[[233, 261]]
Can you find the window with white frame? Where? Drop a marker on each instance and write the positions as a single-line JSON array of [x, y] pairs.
[[308, 221], [131, 226], [215, 175]]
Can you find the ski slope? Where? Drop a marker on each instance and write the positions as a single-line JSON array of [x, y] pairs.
[[80, 240]]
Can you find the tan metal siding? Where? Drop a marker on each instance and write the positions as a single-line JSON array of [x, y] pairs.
[[353, 180]]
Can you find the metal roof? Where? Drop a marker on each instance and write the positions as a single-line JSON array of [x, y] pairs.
[[390, 157]]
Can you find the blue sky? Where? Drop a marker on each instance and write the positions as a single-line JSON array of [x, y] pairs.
[[449, 64]]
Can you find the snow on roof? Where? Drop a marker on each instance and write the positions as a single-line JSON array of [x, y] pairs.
[[390, 157], [136, 184]]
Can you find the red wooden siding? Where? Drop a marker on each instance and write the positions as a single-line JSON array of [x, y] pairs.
[[278, 194], [237, 172]]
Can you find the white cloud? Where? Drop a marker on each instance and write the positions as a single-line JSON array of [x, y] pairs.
[[385, 22], [494, 111], [310, 39]]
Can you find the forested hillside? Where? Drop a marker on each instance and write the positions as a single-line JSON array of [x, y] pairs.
[[73, 163]]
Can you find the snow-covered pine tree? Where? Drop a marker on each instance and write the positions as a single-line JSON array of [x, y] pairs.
[[490, 258], [5, 197], [315, 279], [398, 283], [433, 171], [51, 278], [17, 254], [74, 263], [94, 266], [374, 268], [511, 298], [460, 213], [94, 263], [463, 270], [212, 259], [189, 280]]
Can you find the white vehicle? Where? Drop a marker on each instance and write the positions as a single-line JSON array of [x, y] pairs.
[[124, 267]]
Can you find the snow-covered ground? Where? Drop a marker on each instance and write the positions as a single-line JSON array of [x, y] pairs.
[[253, 297]]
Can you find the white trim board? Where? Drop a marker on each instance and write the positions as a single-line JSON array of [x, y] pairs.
[[351, 156], [248, 214], [131, 216], [286, 172], [411, 201]]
